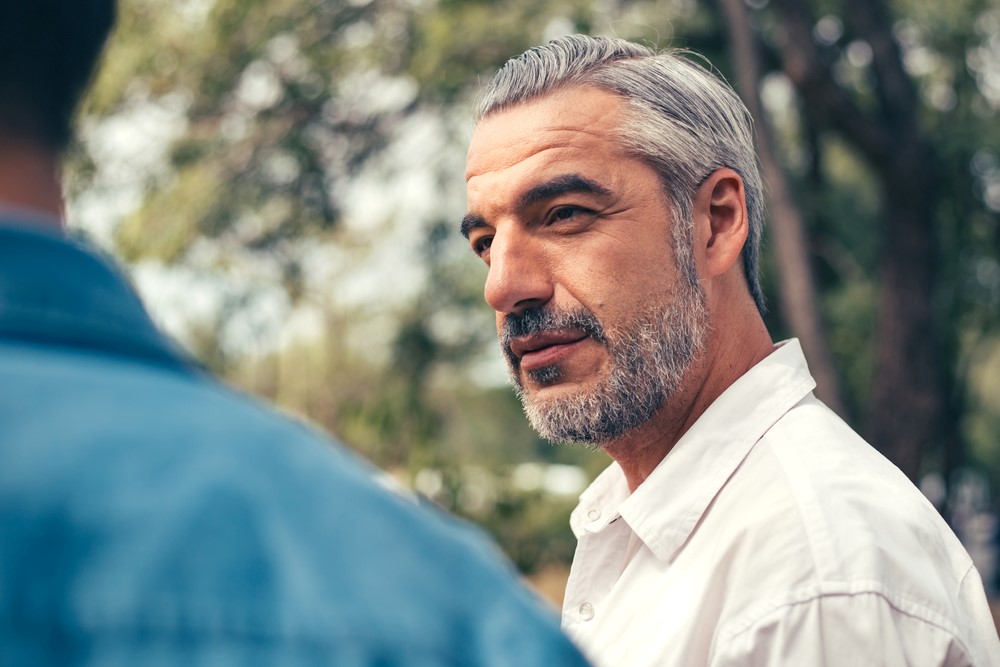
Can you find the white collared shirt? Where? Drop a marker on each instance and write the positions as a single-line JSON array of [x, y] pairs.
[[772, 534]]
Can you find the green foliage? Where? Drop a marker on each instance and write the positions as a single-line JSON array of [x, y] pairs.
[[274, 122], [982, 423], [284, 105], [532, 528], [462, 39]]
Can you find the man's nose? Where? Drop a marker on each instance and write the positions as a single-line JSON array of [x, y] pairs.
[[519, 276]]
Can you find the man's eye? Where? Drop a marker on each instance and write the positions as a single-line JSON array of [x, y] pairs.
[[565, 213], [482, 244]]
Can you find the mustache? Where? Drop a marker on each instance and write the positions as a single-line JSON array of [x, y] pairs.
[[539, 320]]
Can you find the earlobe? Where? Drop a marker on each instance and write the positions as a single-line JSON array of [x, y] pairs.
[[720, 205]]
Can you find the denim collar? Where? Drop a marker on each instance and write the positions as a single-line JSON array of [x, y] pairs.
[[54, 291]]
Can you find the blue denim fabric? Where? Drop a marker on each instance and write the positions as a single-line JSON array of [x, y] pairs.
[[150, 516]]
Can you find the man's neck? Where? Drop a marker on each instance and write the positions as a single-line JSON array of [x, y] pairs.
[[722, 363], [29, 181]]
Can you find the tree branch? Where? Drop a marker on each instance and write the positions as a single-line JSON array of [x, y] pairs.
[[896, 92], [806, 66]]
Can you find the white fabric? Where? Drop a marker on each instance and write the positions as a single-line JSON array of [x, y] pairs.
[[772, 534]]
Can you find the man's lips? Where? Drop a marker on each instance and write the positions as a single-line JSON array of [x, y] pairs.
[[545, 349]]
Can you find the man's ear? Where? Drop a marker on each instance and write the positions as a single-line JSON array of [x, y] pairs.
[[720, 214]]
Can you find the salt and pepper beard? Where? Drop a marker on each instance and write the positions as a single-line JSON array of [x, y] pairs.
[[649, 356]]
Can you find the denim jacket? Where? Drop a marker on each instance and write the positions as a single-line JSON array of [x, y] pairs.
[[150, 516]]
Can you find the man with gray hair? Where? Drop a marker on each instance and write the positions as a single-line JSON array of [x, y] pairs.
[[613, 192]]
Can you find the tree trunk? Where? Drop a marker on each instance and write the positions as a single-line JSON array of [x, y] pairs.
[[797, 288], [909, 396], [908, 401]]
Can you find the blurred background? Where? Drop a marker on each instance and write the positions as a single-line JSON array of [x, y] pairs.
[[284, 179]]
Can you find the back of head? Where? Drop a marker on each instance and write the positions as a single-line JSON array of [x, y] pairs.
[[683, 120], [48, 52]]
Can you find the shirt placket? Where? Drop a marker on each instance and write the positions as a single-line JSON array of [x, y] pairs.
[[597, 565]]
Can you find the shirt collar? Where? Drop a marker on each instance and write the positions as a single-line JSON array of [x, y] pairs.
[[54, 291], [668, 504]]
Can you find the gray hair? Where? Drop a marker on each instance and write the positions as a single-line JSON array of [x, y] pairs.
[[684, 121]]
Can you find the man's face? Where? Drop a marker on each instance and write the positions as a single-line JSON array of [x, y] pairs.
[[597, 324]]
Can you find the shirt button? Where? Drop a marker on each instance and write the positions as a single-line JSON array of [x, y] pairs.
[[594, 514], [586, 611]]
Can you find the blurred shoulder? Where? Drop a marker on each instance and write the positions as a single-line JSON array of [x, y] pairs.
[[161, 501]]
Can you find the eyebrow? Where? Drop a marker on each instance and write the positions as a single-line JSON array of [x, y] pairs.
[[560, 185], [471, 221]]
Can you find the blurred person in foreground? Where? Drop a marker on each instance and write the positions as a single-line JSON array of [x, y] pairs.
[[150, 516], [614, 194]]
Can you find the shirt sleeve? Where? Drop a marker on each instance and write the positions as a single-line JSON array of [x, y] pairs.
[[831, 631]]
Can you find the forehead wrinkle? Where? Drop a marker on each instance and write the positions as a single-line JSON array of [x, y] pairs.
[[533, 141], [517, 148]]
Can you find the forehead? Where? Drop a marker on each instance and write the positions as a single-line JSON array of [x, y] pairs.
[[572, 121]]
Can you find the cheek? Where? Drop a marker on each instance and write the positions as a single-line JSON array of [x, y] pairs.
[[612, 281], [583, 285], [629, 290]]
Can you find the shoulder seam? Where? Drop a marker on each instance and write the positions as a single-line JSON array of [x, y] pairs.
[[820, 592]]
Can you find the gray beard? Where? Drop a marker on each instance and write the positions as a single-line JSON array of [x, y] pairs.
[[649, 357]]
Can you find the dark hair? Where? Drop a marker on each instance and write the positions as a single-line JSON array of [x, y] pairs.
[[48, 53]]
